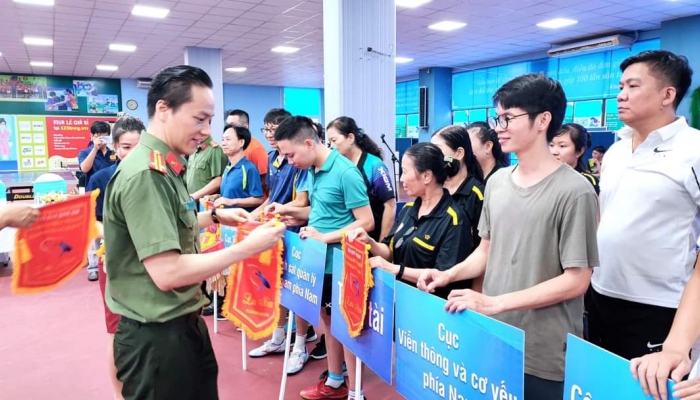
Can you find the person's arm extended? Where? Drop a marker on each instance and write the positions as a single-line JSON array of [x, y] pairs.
[[86, 164], [244, 202], [210, 188], [363, 219], [571, 284], [388, 218], [301, 200], [171, 270], [260, 210], [686, 325], [472, 267]]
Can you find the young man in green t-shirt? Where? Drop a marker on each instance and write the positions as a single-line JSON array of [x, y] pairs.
[[339, 202]]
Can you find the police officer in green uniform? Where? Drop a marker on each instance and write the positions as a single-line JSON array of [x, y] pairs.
[[162, 348], [205, 168]]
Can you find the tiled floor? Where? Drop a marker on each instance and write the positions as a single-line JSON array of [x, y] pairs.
[[53, 346]]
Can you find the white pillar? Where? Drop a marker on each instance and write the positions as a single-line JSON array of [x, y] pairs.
[[359, 44], [210, 61]]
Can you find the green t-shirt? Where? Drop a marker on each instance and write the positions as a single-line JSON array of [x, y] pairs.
[[147, 212], [334, 191]]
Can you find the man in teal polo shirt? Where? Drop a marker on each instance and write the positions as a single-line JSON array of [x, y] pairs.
[[339, 202]]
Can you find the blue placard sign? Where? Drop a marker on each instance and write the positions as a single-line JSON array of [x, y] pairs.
[[302, 279], [594, 373], [374, 345], [454, 356]]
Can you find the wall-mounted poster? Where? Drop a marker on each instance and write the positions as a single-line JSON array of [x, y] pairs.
[[8, 143], [33, 153], [22, 88], [68, 135], [58, 95], [86, 88], [103, 104]]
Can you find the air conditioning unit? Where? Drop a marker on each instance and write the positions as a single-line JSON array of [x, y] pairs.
[[144, 83], [592, 45]]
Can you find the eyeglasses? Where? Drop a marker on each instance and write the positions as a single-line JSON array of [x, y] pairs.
[[268, 130], [503, 120]]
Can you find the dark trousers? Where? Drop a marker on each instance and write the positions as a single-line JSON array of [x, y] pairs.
[[166, 361], [626, 328], [542, 389]]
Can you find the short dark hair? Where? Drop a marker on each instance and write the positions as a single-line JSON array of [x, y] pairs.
[[174, 85], [666, 66], [296, 129], [535, 94], [346, 126], [321, 132], [240, 114], [276, 116], [124, 125], [486, 134], [599, 149], [241, 133], [100, 127], [456, 136], [429, 157], [581, 139]]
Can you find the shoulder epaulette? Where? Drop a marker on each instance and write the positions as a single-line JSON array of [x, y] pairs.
[[214, 144], [478, 193], [158, 162]]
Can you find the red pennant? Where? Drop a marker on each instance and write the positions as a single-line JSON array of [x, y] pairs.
[[254, 289], [356, 282]]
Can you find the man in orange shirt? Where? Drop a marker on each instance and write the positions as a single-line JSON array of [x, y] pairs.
[[255, 152]]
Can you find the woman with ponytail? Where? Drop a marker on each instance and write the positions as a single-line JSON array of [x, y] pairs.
[[352, 142], [487, 149], [569, 146], [467, 188]]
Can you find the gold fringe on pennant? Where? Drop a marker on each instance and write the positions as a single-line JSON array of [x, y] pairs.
[[23, 254], [369, 284], [235, 270]]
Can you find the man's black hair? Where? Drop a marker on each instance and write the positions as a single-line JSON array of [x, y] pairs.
[[276, 116], [240, 114], [673, 70], [296, 129], [100, 127], [174, 85], [241, 133]]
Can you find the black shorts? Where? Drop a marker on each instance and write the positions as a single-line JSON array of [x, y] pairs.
[[327, 294], [626, 328]]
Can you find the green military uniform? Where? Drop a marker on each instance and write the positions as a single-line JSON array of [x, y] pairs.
[[160, 342], [208, 162]]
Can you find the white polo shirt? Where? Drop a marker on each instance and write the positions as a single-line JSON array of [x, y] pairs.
[[650, 216]]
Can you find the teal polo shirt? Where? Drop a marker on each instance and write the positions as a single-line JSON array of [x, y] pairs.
[[335, 190]]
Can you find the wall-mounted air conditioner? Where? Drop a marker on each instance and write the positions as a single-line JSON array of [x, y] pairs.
[[144, 83], [592, 45]]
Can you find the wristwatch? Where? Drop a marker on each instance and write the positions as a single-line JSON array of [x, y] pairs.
[[213, 216]]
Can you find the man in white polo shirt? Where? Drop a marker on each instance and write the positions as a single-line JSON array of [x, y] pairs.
[[650, 215]]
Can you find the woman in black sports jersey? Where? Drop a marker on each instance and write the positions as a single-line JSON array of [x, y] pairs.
[[467, 188], [569, 146], [486, 148]]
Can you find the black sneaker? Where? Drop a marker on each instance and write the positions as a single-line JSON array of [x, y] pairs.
[[311, 334], [319, 352], [208, 311], [220, 316]]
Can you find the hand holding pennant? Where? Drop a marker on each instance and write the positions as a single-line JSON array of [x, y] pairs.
[[254, 286], [55, 247], [357, 280]]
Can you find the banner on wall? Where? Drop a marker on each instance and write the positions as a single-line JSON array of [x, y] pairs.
[[465, 355], [8, 143], [32, 148], [612, 379], [68, 135]]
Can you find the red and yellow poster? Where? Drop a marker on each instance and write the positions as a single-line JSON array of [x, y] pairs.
[[356, 282], [68, 135], [55, 248], [254, 289]]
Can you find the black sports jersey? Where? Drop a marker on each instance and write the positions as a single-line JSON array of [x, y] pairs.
[[470, 199]]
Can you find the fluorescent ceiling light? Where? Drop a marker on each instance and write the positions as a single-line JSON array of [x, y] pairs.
[[36, 2], [41, 64], [122, 47], [151, 12], [107, 67], [411, 3], [557, 23], [402, 60], [35, 41], [285, 49], [447, 26], [236, 69]]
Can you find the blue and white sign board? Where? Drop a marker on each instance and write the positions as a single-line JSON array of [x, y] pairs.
[[375, 343], [302, 279], [595, 373], [454, 356]]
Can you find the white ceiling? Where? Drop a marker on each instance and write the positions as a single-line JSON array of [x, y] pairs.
[[247, 29]]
